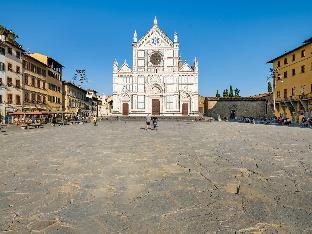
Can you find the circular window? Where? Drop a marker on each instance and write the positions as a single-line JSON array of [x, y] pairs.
[[155, 58]]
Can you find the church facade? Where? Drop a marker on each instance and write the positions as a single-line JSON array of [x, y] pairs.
[[158, 83]]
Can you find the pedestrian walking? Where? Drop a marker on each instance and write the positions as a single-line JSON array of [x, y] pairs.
[[94, 120], [148, 121], [154, 120]]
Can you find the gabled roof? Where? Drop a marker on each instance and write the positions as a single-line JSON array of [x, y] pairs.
[[125, 67], [186, 68], [155, 28]]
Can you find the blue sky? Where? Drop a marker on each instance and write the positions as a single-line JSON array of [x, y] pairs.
[[233, 40]]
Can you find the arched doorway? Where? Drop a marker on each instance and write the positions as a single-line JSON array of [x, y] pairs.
[[155, 107], [185, 103], [185, 109], [156, 96], [125, 108], [125, 104]]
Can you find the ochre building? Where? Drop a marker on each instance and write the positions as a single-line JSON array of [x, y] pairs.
[[293, 82], [74, 98], [54, 81], [34, 85]]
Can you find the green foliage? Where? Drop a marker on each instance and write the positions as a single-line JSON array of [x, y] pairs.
[[231, 94], [270, 89], [236, 92], [226, 93], [218, 94]]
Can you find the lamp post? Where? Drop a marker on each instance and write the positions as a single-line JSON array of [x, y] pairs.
[[274, 73]]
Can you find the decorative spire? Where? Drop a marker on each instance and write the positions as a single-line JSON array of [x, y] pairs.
[[125, 62], [135, 37], [196, 65], [175, 38], [155, 21], [115, 66]]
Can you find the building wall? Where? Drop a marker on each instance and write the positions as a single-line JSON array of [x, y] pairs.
[[11, 79], [34, 84], [74, 98], [201, 104], [298, 85], [242, 108], [2, 83], [54, 82]]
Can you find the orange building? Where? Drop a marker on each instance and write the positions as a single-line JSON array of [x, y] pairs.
[[293, 82], [54, 81]]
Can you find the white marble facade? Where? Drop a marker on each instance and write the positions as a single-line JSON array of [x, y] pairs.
[[159, 82]]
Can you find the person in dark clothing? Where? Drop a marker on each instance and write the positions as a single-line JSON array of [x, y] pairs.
[[154, 120]]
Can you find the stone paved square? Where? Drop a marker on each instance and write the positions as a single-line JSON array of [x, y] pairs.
[[187, 177]]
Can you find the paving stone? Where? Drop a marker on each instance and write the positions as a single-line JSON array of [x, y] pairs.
[[187, 177]]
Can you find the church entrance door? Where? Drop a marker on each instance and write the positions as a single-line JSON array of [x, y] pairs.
[[125, 108], [155, 107], [185, 109]]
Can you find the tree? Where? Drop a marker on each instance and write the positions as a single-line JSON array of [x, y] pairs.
[[218, 94], [225, 93], [270, 87], [236, 92], [231, 91]]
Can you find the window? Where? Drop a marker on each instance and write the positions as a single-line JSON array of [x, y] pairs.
[[293, 72], [285, 61], [33, 97], [293, 91], [26, 97], [2, 66], [302, 69], [38, 83], [9, 67], [43, 85], [33, 81], [10, 98], [18, 70], [0, 98], [293, 57], [10, 50], [278, 63], [18, 83], [2, 51], [44, 100], [302, 53], [0, 81], [285, 74], [9, 81], [44, 73], [32, 67], [38, 70], [18, 100], [278, 94], [26, 79], [38, 98], [285, 93], [18, 54]]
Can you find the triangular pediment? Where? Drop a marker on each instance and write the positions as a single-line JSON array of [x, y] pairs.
[[186, 68], [125, 67], [155, 37]]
